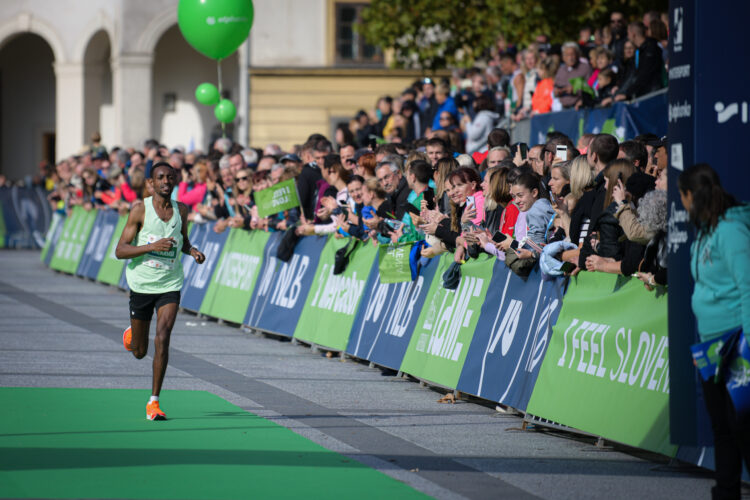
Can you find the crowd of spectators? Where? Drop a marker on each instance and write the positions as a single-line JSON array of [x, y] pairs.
[[436, 164], [598, 205]]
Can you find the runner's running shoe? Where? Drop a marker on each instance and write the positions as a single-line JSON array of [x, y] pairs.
[[153, 412], [127, 336]]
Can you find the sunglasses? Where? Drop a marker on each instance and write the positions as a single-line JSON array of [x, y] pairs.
[[238, 179]]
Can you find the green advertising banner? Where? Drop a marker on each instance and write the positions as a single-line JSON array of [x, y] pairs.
[[232, 284], [75, 235], [277, 198], [606, 370], [332, 303], [446, 325], [394, 263], [111, 268]]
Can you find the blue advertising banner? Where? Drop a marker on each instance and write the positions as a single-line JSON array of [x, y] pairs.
[[706, 124], [14, 231], [645, 116], [33, 213], [387, 316], [53, 234], [197, 276], [96, 247], [282, 287], [511, 337], [197, 236], [567, 122]]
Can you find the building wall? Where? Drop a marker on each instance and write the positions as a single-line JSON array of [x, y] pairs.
[[112, 64], [287, 105]]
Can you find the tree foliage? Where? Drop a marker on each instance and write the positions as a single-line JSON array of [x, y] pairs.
[[435, 34]]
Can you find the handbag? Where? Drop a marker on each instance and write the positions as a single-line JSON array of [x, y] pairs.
[[341, 259]]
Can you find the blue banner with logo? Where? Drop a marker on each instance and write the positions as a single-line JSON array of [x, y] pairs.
[[646, 116], [197, 277], [511, 337], [623, 120], [282, 287], [96, 247], [567, 122], [387, 315]]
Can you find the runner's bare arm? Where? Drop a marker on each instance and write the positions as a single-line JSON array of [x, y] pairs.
[[125, 249], [187, 247]]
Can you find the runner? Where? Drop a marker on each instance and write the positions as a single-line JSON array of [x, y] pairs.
[[158, 227]]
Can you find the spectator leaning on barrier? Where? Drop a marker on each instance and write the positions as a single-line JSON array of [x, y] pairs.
[[604, 148], [573, 67], [604, 243], [649, 64], [390, 174], [310, 175], [720, 265], [527, 195]]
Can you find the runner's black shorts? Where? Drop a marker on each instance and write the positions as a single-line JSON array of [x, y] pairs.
[[142, 305]]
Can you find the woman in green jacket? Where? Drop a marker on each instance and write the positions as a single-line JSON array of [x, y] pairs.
[[720, 265]]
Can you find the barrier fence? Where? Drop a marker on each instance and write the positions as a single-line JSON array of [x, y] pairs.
[[593, 358], [624, 120]]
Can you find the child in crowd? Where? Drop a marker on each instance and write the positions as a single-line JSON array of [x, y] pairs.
[[526, 191]]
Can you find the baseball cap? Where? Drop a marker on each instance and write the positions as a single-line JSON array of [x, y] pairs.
[[290, 157]]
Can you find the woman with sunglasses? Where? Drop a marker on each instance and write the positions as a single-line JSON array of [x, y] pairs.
[[239, 203]]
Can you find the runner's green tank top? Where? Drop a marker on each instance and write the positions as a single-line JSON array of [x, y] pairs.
[[157, 272]]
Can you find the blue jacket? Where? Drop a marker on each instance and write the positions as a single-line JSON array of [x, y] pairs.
[[720, 265], [448, 105]]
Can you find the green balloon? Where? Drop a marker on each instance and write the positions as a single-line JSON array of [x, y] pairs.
[[207, 94], [225, 111], [215, 28]]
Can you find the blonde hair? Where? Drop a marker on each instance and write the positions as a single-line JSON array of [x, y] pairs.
[[581, 176]]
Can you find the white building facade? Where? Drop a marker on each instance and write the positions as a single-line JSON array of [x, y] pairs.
[[69, 68]]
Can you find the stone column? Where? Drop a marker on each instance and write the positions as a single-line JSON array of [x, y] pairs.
[[69, 111], [131, 82]]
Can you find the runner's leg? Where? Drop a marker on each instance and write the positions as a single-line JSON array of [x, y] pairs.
[[165, 318], [139, 340]]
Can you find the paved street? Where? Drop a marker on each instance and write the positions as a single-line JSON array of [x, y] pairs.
[[61, 331]]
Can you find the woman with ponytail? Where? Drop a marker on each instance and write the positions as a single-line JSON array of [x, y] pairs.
[[720, 265]]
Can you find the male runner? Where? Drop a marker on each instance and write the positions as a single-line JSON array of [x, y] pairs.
[[154, 231]]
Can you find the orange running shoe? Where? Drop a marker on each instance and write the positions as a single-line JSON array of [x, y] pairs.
[[127, 336], [153, 412]]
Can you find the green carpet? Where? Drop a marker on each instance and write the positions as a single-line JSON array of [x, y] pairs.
[[97, 443]]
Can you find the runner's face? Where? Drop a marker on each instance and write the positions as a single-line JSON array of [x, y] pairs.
[[163, 181]]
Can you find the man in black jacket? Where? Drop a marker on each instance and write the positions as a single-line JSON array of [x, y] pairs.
[[648, 64], [393, 181], [307, 179]]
